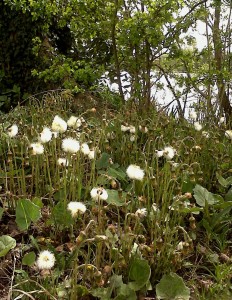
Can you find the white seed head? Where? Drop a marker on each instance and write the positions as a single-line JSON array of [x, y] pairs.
[[37, 148], [222, 120], [45, 135], [85, 149], [13, 131], [132, 129], [70, 145], [132, 138], [135, 172], [59, 125], [197, 126], [46, 260], [74, 122], [205, 134], [193, 115], [228, 134], [124, 128], [91, 154], [141, 212], [63, 162], [76, 208], [159, 153], [99, 194], [180, 247], [169, 153]]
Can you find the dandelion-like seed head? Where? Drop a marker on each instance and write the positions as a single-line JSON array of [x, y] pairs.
[[45, 135], [74, 122], [63, 162], [141, 212], [85, 149], [169, 153], [76, 208], [159, 153], [70, 145], [205, 134], [221, 120], [135, 172], [91, 154], [193, 115], [132, 129], [143, 129], [124, 128], [59, 125], [132, 138], [13, 131], [37, 148], [45, 260], [99, 194], [197, 126], [228, 134]]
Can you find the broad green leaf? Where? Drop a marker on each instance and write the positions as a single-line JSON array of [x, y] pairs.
[[60, 215], [118, 174], [116, 198], [188, 186], [224, 182], [6, 243], [125, 293], [228, 196], [102, 293], [172, 287], [202, 195], [81, 290], [194, 210], [103, 161], [1, 212], [221, 180], [26, 212], [29, 259], [140, 273], [38, 201], [116, 281], [102, 179], [59, 195]]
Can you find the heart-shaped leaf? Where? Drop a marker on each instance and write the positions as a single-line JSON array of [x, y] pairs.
[[6, 243], [172, 287], [26, 212]]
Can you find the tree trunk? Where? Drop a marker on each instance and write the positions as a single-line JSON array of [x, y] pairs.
[[223, 97]]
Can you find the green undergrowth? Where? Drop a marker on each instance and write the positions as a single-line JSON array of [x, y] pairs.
[[163, 232]]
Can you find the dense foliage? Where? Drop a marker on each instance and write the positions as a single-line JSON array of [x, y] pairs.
[[108, 204], [71, 45]]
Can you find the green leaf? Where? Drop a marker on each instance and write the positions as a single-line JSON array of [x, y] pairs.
[[228, 196], [103, 161], [6, 243], [221, 180], [59, 195], [224, 182], [37, 201], [29, 259], [26, 212], [188, 186], [118, 174], [140, 273], [172, 287], [60, 215], [102, 293], [116, 198], [1, 212], [202, 195], [125, 293]]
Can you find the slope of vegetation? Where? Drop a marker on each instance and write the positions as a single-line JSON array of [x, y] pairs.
[[110, 204]]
